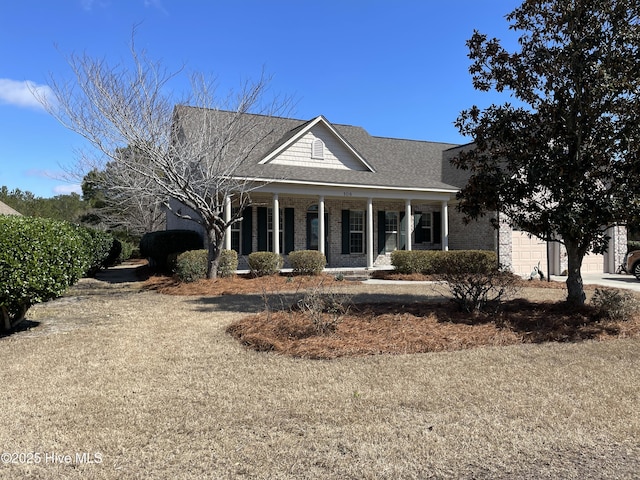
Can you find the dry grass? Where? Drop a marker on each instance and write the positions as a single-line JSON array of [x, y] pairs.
[[154, 384]]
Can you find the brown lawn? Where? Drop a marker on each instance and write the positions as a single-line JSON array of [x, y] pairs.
[[153, 386]]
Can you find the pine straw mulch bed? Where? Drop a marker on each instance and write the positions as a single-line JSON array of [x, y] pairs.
[[394, 328]]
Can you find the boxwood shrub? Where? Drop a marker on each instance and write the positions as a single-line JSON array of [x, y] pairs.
[[430, 262], [414, 261], [192, 265], [307, 262], [228, 263], [264, 263], [39, 259]]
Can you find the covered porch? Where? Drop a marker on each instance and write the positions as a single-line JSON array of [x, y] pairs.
[[353, 227]]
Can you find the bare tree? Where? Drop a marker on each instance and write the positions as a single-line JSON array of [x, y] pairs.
[[188, 154], [132, 211]]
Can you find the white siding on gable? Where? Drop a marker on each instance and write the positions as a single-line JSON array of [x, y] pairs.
[[336, 154]]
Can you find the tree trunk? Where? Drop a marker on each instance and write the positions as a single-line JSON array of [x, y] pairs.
[[213, 257], [8, 322], [575, 287]]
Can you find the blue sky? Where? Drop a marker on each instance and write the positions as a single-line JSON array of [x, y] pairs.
[[397, 68]]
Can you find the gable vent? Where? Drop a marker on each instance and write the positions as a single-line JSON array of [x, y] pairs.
[[317, 149]]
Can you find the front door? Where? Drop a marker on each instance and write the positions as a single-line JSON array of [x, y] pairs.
[[313, 231]]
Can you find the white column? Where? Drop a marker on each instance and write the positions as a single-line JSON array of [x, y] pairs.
[[445, 226], [227, 219], [321, 226], [409, 223], [276, 224], [369, 233]]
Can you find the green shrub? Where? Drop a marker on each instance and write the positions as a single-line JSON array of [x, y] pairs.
[[191, 266], [157, 246], [126, 251], [98, 246], [430, 262], [474, 279], [455, 262], [307, 262], [228, 263], [413, 261], [39, 259], [264, 263]]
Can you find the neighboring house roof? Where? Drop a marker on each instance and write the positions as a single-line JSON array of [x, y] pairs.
[[7, 210], [386, 162]]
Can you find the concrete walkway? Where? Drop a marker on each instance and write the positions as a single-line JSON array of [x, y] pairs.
[[614, 280], [126, 273]]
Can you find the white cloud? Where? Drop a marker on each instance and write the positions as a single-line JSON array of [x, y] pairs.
[[156, 4], [67, 189], [21, 93]]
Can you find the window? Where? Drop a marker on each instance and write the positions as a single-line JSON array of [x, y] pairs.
[[317, 149], [391, 225], [356, 231], [270, 230], [426, 223]]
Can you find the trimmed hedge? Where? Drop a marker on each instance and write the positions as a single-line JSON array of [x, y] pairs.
[[264, 263], [192, 265], [39, 259], [414, 261], [99, 246], [307, 262], [228, 263], [157, 246], [429, 262]]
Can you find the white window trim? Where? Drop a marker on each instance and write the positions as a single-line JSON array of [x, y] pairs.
[[361, 231], [430, 228]]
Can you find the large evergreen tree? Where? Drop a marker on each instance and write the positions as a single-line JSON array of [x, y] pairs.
[[563, 162]]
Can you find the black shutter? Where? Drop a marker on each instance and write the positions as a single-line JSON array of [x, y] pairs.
[[437, 227], [262, 229], [417, 227], [346, 230], [247, 230], [289, 234], [403, 231], [381, 231]]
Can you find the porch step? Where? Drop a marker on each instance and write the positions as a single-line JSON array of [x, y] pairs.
[[353, 275]]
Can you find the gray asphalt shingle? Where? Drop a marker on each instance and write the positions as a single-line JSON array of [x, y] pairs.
[[397, 163]]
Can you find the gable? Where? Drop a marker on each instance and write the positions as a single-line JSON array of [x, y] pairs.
[[304, 152]]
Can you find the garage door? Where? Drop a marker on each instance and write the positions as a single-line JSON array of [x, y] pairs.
[[526, 253], [593, 263]]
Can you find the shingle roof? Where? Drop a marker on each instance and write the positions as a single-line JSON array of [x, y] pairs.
[[7, 210], [397, 163]]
